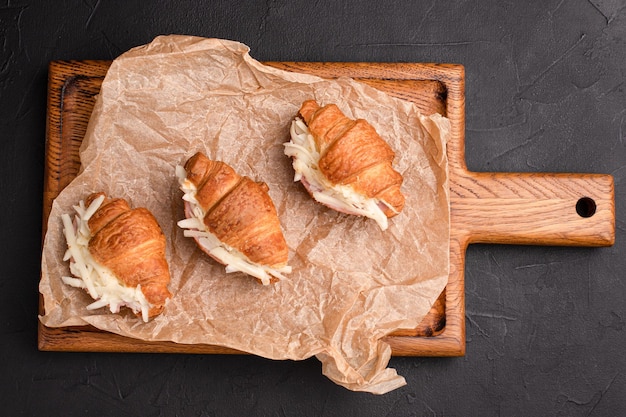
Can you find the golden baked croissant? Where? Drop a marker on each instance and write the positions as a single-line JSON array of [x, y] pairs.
[[344, 163], [118, 255], [233, 219]]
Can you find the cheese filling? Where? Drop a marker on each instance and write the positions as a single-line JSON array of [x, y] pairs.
[[234, 260], [98, 280], [305, 163]]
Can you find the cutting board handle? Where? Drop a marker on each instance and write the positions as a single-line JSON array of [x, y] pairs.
[[534, 209]]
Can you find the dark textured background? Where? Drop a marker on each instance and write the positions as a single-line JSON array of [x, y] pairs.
[[545, 89]]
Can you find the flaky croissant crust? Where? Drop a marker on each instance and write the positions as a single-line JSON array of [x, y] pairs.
[[353, 153], [131, 244], [238, 211]]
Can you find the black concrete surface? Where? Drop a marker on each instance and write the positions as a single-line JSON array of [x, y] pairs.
[[546, 92]]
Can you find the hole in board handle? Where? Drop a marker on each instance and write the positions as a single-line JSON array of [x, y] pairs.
[[586, 207]]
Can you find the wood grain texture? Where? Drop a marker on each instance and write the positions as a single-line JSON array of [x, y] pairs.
[[485, 207], [535, 209]]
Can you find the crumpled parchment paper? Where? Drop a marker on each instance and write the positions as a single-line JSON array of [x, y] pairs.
[[352, 284]]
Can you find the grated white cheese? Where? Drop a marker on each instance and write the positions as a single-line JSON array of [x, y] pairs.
[[305, 163], [234, 260], [98, 280]]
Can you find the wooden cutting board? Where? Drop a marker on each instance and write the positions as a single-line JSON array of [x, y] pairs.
[[512, 208]]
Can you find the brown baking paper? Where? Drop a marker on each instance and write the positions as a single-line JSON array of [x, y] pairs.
[[351, 285]]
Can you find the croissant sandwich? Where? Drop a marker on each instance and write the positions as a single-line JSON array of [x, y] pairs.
[[232, 219], [344, 163], [117, 254]]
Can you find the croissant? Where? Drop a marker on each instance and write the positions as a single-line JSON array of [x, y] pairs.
[[344, 163], [233, 219], [118, 255]]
